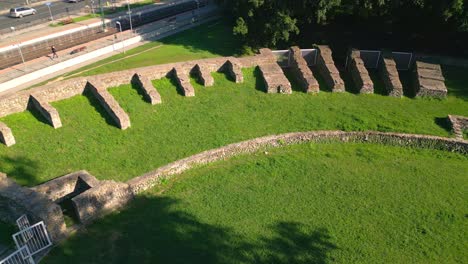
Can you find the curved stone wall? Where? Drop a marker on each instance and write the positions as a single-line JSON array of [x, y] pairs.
[[150, 179]]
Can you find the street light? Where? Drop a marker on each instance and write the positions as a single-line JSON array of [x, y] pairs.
[[123, 42], [48, 4], [19, 49], [130, 16]]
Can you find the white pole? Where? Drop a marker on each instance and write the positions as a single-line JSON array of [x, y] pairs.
[[50, 12], [19, 49], [130, 16], [123, 42]]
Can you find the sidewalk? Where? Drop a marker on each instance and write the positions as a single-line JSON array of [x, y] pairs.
[[43, 68]]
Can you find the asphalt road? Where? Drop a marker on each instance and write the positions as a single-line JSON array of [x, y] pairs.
[[58, 10]]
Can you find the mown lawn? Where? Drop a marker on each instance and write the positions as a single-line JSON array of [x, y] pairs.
[[180, 126], [310, 203]]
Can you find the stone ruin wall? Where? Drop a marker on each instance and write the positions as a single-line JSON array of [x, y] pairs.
[[429, 80], [328, 70], [459, 124], [359, 73], [389, 74], [302, 72]]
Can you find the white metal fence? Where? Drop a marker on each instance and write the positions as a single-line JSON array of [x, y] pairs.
[[373, 58], [403, 60], [34, 237], [20, 256], [284, 57], [23, 222]]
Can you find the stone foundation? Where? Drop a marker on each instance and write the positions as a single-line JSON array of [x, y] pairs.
[[459, 123], [429, 80], [302, 72], [183, 81], [103, 198], [47, 111], [109, 103], [16, 201], [275, 81], [389, 74], [6, 136], [328, 70], [234, 68], [204, 75], [359, 74], [146, 86]]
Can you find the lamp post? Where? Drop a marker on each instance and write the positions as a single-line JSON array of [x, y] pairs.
[[123, 41], [130, 16], [48, 4], [102, 16], [19, 49]]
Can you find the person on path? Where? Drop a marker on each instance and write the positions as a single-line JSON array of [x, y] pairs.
[[54, 52]]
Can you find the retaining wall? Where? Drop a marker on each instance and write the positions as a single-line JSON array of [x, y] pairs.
[[390, 76], [429, 80], [328, 70], [359, 74], [302, 72]]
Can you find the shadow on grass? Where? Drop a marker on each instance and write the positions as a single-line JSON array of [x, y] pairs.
[[407, 82], [37, 114], [94, 102], [444, 123], [21, 169], [154, 230], [259, 81], [323, 85], [456, 80], [135, 86], [175, 83], [295, 84], [379, 86]]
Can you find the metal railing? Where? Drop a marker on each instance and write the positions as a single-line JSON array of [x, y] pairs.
[[34, 237], [20, 256], [284, 57]]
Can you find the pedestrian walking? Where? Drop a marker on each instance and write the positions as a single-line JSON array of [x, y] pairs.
[[54, 52]]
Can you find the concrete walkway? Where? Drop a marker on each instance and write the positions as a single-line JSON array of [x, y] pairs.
[[44, 68]]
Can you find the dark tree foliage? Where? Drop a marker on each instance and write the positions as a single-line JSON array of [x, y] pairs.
[[269, 22]]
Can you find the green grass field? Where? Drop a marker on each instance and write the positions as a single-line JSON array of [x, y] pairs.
[[310, 203]]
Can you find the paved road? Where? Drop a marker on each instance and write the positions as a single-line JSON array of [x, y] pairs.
[[57, 8]]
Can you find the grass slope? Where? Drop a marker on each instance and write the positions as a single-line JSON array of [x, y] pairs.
[[180, 126], [311, 203]]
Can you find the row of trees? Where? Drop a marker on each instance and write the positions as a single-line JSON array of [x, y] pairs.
[[269, 22]]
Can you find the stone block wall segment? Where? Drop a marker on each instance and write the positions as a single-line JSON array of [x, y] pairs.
[[59, 188], [429, 80], [16, 200], [459, 123], [47, 111], [274, 78], [103, 198], [204, 74], [146, 86], [183, 80], [390, 76], [302, 72], [234, 68], [109, 103], [359, 74], [150, 179], [6, 135], [327, 69]]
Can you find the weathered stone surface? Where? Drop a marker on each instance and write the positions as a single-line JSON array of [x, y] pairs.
[[459, 123], [109, 103], [390, 76], [150, 179], [359, 74], [6, 136], [47, 111], [302, 72], [146, 86], [274, 78], [328, 70], [204, 74], [429, 80], [103, 198], [65, 186], [183, 80], [16, 201], [234, 68]]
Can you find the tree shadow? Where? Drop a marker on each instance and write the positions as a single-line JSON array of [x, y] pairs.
[[94, 102], [21, 169], [153, 230]]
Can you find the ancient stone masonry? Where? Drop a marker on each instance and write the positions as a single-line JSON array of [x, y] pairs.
[[459, 123], [429, 80], [328, 70], [103, 198], [204, 74], [47, 111], [16, 201], [109, 103], [6, 136], [234, 69], [146, 86], [389, 73], [273, 76], [302, 72], [359, 73], [183, 80]]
